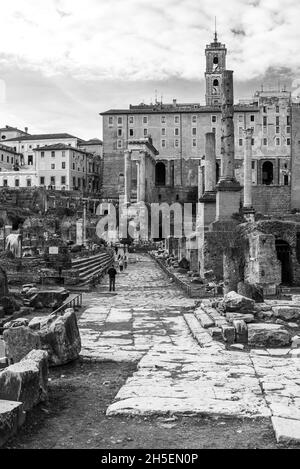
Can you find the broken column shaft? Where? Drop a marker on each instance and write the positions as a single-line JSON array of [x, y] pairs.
[[248, 209]]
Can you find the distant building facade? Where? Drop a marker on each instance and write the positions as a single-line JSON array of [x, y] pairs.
[[178, 132]]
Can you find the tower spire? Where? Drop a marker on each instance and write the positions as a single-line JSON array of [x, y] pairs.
[[216, 35]]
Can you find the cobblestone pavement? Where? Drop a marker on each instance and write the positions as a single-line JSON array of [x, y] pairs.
[[148, 322]]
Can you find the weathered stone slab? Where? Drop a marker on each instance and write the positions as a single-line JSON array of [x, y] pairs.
[[40, 359], [233, 302], [11, 417], [286, 430], [252, 291], [268, 335], [242, 317], [286, 312], [16, 323], [215, 332], [241, 331], [204, 319], [49, 298], [19, 341]]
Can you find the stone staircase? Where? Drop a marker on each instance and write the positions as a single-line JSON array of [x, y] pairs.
[[85, 270]]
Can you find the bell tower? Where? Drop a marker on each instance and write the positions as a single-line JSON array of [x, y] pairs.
[[215, 54]]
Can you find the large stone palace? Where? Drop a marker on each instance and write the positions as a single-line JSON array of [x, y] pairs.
[[177, 131]]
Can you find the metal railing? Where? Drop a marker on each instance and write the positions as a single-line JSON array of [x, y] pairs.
[[75, 301]]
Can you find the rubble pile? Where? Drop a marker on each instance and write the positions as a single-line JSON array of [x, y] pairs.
[[238, 319]]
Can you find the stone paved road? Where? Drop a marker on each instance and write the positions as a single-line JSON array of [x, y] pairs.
[[147, 322]]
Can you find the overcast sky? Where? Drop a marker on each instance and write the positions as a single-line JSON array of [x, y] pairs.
[[64, 61]]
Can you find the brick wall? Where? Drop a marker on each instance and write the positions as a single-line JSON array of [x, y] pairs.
[[271, 200]]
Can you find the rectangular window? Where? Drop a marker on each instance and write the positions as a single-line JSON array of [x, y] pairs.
[[277, 120], [120, 120], [74, 182], [42, 181], [176, 119], [214, 119], [253, 164], [288, 130], [110, 120], [119, 143], [4, 182], [17, 182], [277, 140], [240, 142], [163, 143], [52, 180], [163, 119], [194, 142], [288, 141], [28, 182], [277, 130], [213, 129], [194, 119], [288, 121], [145, 119], [52, 154], [264, 109], [265, 141], [163, 131], [74, 166], [130, 132], [53, 166], [265, 120], [63, 180], [120, 132], [277, 109], [176, 143], [145, 132], [252, 118], [252, 141], [63, 165], [194, 130], [131, 120], [176, 131]]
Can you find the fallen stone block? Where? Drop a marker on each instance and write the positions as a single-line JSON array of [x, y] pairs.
[[286, 312], [241, 331], [16, 323], [19, 341], [215, 332], [268, 335], [204, 319], [12, 417], [228, 333], [237, 346], [295, 342], [286, 430], [40, 359], [233, 302], [242, 317], [20, 382], [61, 339]]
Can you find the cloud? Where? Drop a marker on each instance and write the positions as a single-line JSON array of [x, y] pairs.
[[142, 40]]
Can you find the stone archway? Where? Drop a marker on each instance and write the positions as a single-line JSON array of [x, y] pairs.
[[283, 251]]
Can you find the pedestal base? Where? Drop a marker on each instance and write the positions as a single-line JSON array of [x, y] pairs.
[[228, 199]]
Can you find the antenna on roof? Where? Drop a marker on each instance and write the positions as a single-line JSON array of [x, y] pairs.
[[216, 35], [155, 96]]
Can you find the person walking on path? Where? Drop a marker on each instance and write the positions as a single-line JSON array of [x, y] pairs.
[[112, 278], [121, 264]]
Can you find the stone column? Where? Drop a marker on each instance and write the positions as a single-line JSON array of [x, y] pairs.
[[210, 162], [227, 125], [127, 172], [228, 188], [142, 176], [248, 169], [137, 181]]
